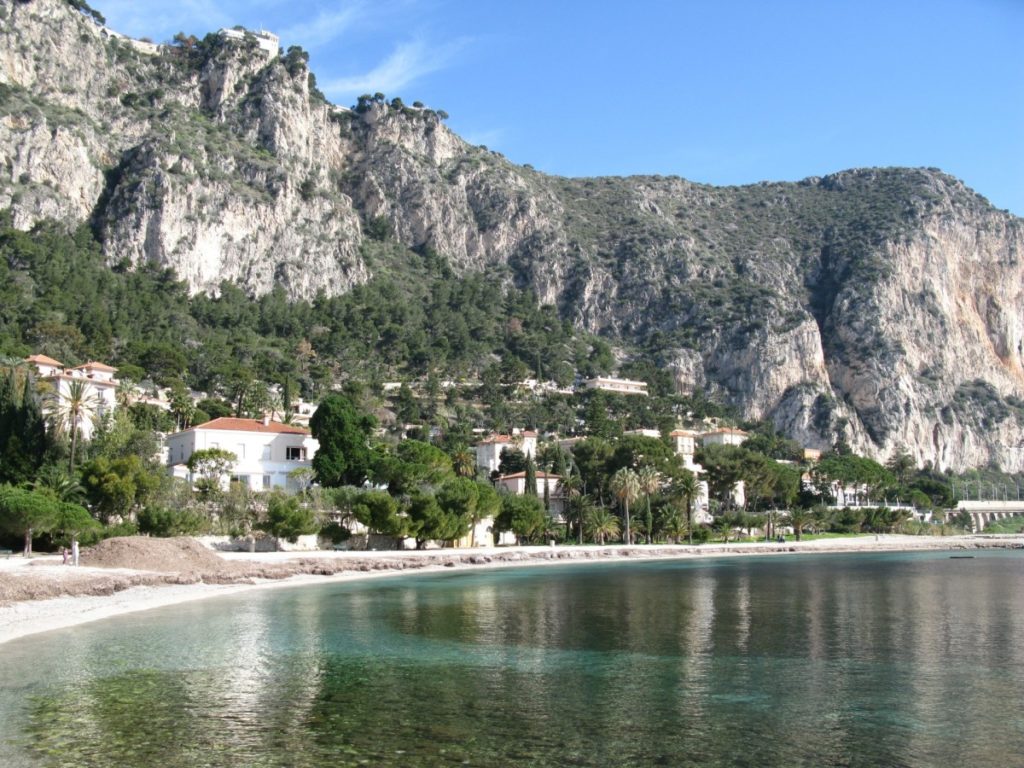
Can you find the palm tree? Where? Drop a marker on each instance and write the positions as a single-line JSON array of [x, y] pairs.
[[571, 488], [124, 393], [724, 525], [55, 482], [673, 523], [601, 523], [686, 489], [464, 462], [800, 519], [625, 486], [70, 409], [650, 482]]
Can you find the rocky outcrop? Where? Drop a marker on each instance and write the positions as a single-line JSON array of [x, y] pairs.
[[882, 307]]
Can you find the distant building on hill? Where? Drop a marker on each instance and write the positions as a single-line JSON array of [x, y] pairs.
[[618, 386], [489, 450], [268, 42], [684, 442], [655, 433], [302, 412], [724, 436], [99, 390], [266, 452]]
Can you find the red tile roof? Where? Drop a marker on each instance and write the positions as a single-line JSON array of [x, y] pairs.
[[540, 476], [94, 366], [230, 424], [44, 360], [506, 438]]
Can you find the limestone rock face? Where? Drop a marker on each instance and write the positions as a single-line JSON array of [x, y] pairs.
[[881, 307]]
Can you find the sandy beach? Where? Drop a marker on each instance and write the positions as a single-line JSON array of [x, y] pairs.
[[40, 594]]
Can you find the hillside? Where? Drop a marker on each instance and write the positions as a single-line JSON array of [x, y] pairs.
[[882, 307]]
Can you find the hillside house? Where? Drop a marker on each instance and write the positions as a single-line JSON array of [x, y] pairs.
[[268, 42], [266, 451], [724, 436], [618, 386], [100, 388], [654, 433], [684, 443], [489, 450]]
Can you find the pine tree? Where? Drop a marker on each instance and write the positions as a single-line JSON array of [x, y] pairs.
[[23, 439], [531, 477]]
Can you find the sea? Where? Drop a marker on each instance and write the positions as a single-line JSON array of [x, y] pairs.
[[881, 659]]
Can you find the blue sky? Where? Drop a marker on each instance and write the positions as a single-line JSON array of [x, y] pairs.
[[723, 92]]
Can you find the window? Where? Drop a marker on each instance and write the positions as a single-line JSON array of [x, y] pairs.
[[266, 482], [295, 453]]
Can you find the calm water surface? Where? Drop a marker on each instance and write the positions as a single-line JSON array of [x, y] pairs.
[[837, 660]]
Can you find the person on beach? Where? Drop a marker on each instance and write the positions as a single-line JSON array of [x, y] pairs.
[[64, 553], [74, 553]]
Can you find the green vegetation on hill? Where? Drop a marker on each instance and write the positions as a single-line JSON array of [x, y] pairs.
[[58, 297]]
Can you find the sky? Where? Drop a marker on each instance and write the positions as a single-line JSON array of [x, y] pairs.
[[715, 91]]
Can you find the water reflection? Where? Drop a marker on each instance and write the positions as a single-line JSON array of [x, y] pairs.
[[862, 660]]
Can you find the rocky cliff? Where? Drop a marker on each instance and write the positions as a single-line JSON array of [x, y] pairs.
[[880, 306]]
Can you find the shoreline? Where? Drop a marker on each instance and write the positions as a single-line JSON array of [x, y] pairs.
[[146, 590]]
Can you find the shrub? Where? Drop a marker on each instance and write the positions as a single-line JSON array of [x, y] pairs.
[[161, 521]]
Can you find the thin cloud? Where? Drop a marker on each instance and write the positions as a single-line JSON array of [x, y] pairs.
[[193, 16], [325, 28], [407, 63], [490, 138]]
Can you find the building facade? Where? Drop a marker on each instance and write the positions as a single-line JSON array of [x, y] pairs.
[[266, 452], [99, 388], [489, 450], [618, 386], [724, 436]]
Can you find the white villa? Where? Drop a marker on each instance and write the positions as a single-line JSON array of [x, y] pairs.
[[265, 451], [100, 387], [268, 42], [655, 433], [488, 451], [619, 386], [684, 442], [724, 436]]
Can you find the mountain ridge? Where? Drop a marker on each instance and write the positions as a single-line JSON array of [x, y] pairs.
[[880, 307]]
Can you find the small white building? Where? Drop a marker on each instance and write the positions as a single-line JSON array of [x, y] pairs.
[[684, 442], [489, 450], [268, 42], [724, 436], [302, 412], [644, 433], [266, 451], [618, 386], [100, 388]]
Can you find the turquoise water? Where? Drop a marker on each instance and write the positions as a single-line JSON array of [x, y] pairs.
[[837, 660]]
